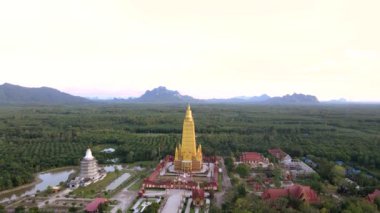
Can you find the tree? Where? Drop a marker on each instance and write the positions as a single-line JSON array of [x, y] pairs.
[[215, 209], [20, 209], [33, 210], [153, 208], [102, 207], [377, 202], [243, 170], [2, 209], [337, 174], [241, 191], [229, 163], [280, 203], [277, 177], [73, 209]]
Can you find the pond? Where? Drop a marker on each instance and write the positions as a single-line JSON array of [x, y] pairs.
[[112, 168], [46, 179]]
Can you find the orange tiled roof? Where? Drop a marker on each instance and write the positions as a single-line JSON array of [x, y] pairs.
[[300, 192], [277, 153], [251, 156], [93, 206]]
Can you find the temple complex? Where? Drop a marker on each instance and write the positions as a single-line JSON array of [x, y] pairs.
[[188, 158], [187, 167]]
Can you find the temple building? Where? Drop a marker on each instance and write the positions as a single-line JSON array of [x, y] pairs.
[[187, 167], [198, 196], [254, 160], [188, 158], [298, 192], [89, 167], [89, 173]]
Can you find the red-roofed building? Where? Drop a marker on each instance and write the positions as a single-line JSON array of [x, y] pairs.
[[280, 155], [254, 159], [94, 205], [371, 197], [198, 196], [300, 192], [277, 153]]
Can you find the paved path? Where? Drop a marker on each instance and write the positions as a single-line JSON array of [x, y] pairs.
[[226, 184], [188, 205], [174, 201], [56, 196], [124, 198]]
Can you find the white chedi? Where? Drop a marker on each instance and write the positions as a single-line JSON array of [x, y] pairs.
[[89, 167], [90, 172], [89, 155]]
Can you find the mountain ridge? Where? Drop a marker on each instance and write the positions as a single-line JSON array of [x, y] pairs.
[[14, 94], [163, 95]]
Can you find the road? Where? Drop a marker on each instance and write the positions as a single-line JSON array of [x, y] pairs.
[[226, 184], [125, 198]]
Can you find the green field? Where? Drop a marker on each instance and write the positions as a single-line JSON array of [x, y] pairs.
[[35, 138]]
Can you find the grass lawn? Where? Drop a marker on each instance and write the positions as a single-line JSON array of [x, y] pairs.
[[136, 186], [96, 189], [220, 182], [145, 164]]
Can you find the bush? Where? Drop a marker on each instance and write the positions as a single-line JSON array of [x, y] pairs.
[[243, 170]]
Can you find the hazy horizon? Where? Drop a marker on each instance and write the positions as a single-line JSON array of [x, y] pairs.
[[138, 94], [205, 49]]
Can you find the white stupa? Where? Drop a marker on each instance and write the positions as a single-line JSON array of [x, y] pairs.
[[88, 166]]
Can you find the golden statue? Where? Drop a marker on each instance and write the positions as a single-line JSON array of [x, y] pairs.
[[187, 157]]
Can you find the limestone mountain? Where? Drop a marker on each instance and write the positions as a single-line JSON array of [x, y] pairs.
[[163, 95], [293, 99]]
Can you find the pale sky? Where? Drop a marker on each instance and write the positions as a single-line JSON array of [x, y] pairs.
[[202, 48]]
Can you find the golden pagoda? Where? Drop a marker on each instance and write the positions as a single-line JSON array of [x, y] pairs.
[[187, 157]]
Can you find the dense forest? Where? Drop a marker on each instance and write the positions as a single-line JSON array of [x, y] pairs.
[[36, 138]]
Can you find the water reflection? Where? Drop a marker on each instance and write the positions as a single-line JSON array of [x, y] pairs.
[[47, 179], [111, 168]]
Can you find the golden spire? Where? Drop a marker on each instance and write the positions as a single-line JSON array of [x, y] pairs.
[[199, 152], [189, 115], [188, 157], [176, 154], [188, 148]]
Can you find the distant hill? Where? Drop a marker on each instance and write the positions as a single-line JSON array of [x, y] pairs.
[[253, 99], [163, 95], [293, 99], [13, 94], [337, 101]]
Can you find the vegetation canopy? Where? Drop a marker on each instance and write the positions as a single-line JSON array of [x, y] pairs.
[[36, 138]]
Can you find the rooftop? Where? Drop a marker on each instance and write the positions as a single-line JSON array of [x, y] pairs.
[[277, 153], [371, 197], [251, 156], [93, 206], [300, 192]]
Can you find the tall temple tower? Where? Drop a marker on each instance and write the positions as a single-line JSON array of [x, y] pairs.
[[89, 167], [188, 157]]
